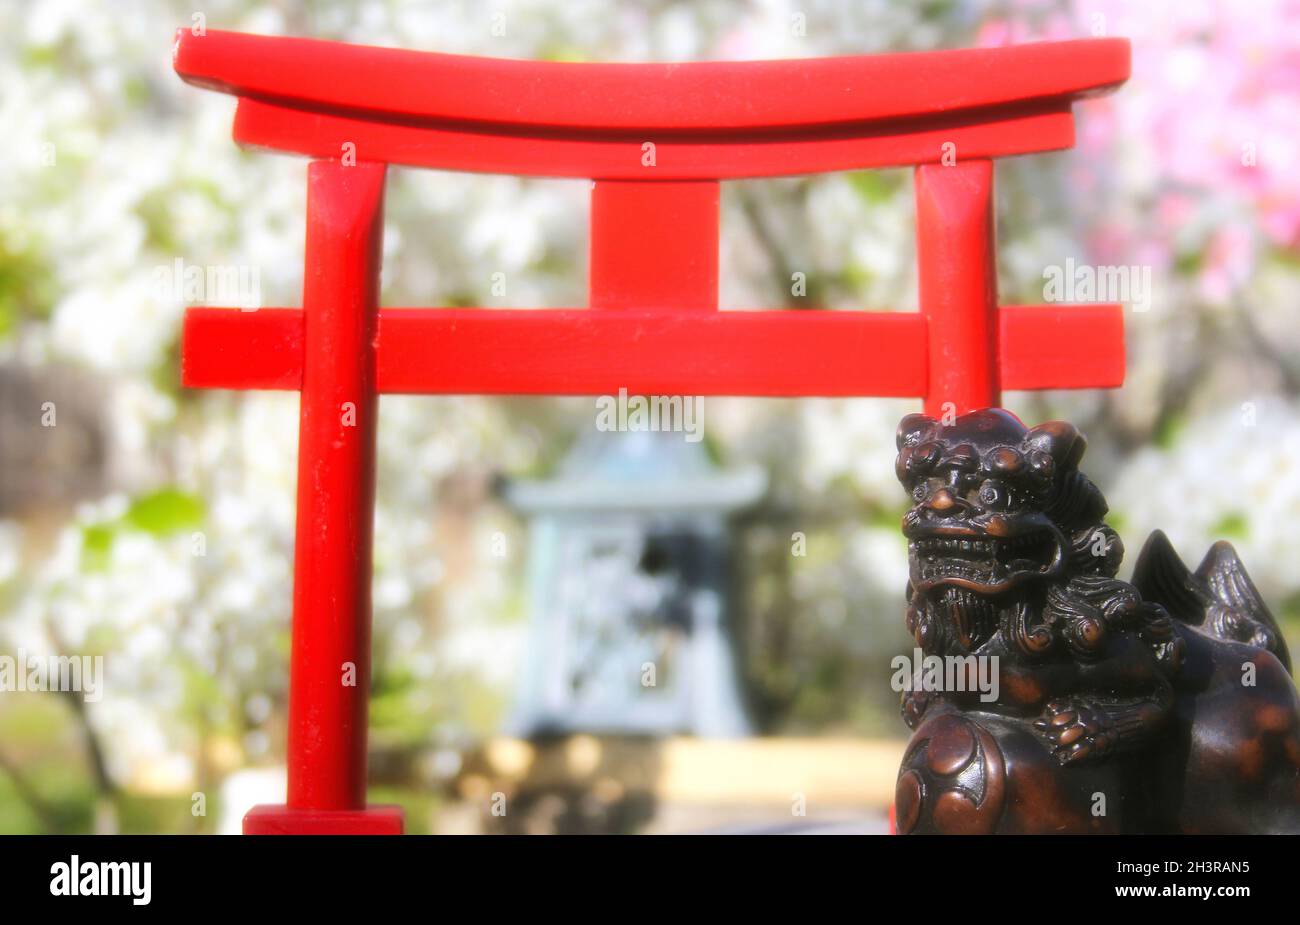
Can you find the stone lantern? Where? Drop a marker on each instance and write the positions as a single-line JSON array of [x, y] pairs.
[[629, 590]]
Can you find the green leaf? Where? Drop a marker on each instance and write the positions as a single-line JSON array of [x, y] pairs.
[[169, 510], [26, 287], [97, 546], [1169, 430], [873, 186], [1233, 524]]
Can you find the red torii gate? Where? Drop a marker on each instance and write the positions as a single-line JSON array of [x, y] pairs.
[[656, 139]]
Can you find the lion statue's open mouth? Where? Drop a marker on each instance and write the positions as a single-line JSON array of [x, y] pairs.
[[982, 563]]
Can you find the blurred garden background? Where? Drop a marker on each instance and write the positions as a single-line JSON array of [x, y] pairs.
[[154, 526]]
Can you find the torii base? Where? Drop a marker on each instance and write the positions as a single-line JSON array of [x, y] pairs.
[[278, 819]]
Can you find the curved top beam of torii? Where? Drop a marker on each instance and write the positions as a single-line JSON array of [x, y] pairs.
[[654, 247], [708, 120]]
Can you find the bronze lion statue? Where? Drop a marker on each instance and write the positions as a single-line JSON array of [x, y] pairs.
[[1164, 704]]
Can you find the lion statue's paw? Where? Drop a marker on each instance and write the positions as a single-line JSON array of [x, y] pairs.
[[1075, 730]]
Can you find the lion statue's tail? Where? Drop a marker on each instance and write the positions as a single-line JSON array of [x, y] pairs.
[[1219, 597]]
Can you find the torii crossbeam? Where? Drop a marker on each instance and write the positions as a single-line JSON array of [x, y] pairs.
[[656, 139]]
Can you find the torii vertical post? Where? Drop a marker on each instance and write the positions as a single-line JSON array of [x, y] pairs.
[[957, 265], [329, 671]]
